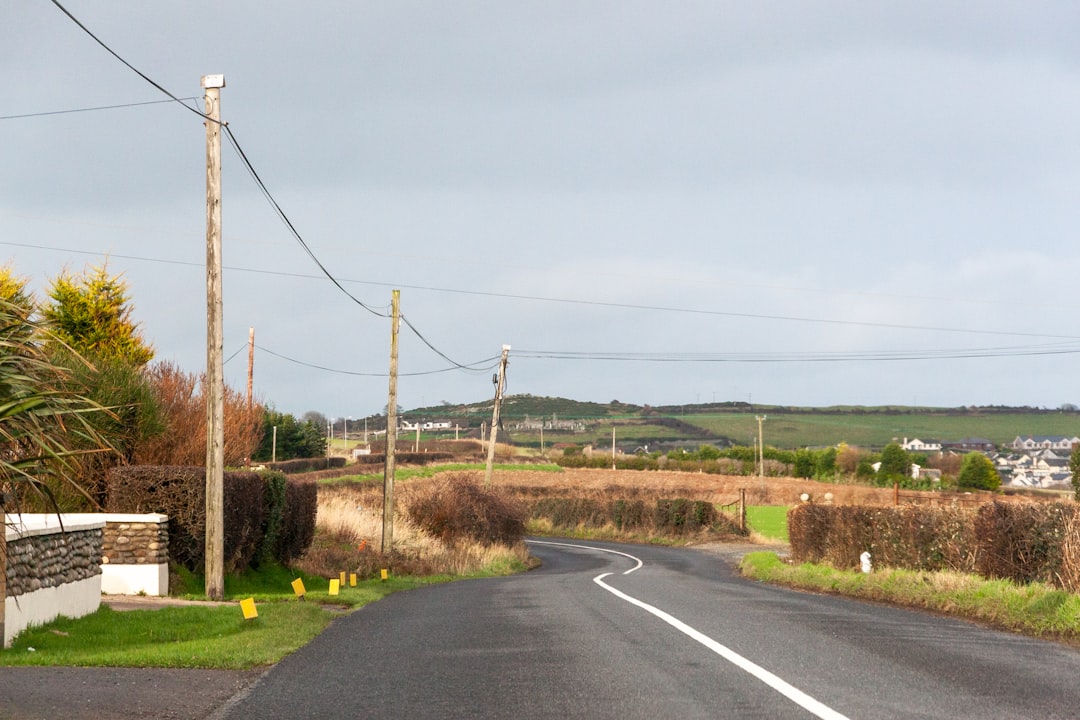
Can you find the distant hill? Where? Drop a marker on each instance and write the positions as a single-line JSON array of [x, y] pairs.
[[726, 423]]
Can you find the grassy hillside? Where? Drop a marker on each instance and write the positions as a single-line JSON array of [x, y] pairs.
[[871, 430], [786, 427]]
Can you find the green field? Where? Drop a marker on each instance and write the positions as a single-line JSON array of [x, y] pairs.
[[768, 520], [877, 430]]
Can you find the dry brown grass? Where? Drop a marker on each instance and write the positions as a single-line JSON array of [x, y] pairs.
[[719, 489], [349, 537]]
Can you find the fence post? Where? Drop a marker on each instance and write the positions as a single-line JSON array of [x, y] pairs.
[[896, 493], [742, 509]]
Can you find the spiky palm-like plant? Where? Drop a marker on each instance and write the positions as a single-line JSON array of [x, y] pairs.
[[44, 424]]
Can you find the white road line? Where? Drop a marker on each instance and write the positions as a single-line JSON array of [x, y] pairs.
[[781, 686], [595, 549]]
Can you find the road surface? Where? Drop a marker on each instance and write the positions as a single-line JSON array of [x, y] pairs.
[[627, 631]]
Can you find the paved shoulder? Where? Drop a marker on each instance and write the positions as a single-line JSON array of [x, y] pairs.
[[44, 693]]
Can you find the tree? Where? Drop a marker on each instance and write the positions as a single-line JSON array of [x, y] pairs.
[[825, 463], [91, 314], [804, 463], [294, 439], [978, 472], [182, 403], [895, 464]]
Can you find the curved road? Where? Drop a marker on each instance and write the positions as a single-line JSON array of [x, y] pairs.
[[627, 631]]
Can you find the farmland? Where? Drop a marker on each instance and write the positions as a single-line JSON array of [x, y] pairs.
[[735, 423]]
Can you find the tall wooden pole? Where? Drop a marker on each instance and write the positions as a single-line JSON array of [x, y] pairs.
[[500, 381], [215, 372], [251, 371], [391, 428]]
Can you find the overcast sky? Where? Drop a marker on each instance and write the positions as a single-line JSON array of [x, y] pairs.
[[798, 203]]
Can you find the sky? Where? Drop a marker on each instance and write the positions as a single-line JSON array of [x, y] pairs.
[[810, 203]]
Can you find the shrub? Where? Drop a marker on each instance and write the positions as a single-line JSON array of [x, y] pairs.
[[455, 507]]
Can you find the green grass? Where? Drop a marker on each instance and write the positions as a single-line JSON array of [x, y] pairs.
[[430, 470], [1034, 609], [768, 520], [204, 636], [876, 430]]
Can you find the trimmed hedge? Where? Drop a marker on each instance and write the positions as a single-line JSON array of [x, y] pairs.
[[1022, 542], [263, 516], [668, 516], [913, 537], [298, 523]]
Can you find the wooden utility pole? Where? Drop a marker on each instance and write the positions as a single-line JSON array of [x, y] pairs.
[[500, 381], [612, 447], [215, 371], [761, 450], [251, 370], [391, 429]]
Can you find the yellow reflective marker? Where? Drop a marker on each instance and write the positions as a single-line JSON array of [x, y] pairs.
[[352, 579], [334, 585], [248, 608], [298, 588], [341, 578], [385, 573]]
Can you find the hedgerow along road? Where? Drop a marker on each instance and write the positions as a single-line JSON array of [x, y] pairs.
[[627, 631]]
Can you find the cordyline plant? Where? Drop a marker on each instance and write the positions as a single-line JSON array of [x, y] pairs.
[[44, 425]]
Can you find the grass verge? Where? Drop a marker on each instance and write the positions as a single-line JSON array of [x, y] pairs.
[[215, 637], [1036, 609]]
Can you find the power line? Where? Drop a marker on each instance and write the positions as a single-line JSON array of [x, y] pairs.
[[127, 64], [92, 109], [484, 365], [806, 357], [572, 301], [279, 211]]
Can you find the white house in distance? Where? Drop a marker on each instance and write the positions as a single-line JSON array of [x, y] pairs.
[[917, 445], [428, 425], [1044, 442]]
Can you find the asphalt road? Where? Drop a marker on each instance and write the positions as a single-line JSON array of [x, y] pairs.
[[679, 636]]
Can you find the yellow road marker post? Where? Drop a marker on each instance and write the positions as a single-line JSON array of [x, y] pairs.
[[248, 608], [298, 588], [352, 579], [385, 573], [334, 585], [341, 579]]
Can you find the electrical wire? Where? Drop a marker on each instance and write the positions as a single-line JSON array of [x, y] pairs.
[[92, 109], [479, 366], [128, 65], [565, 301], [807, 357], [609, 356]]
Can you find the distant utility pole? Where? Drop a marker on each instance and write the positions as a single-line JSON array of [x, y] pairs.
[[251, 370], [500, 382], [612, 447], [215, 370], [761, 447], [391, 422]]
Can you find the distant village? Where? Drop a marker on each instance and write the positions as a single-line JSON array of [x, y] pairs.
[[1035, 461]]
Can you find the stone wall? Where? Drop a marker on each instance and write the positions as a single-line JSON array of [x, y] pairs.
[[42, 561], [136, 543]]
